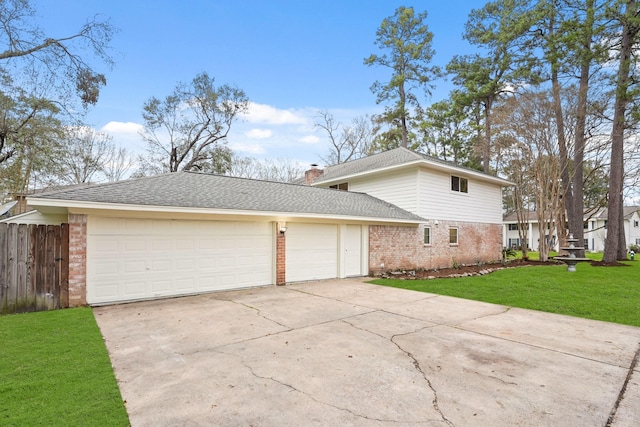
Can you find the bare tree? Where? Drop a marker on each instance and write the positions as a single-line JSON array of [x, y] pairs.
[[278, 170], [183, 130], [529, 122], [57, 61], [347, 142], [83, 153], [118, 165]]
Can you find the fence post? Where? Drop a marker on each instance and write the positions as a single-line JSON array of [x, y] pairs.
[[4, 283]]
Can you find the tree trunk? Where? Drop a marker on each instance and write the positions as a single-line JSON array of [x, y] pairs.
[[576, 221], [403, 117], [615, 225], [565, 177], [486, 152]]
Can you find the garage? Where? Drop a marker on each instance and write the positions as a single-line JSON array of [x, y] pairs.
[[132, 259], [187, 233], [324, 251], [312, 251]]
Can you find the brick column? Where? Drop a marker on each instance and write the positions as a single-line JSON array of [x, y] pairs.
[[77, 260], [281, 265]]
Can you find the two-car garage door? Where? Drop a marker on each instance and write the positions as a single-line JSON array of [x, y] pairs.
[[131, 259]]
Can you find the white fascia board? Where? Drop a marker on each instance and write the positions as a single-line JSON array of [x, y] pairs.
[[430, 164], [74, 206]]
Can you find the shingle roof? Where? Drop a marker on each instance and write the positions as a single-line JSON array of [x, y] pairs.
[[198, 190], [394, 157], [376, 161]]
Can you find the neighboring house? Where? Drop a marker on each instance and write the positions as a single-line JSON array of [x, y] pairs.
[[186, 233], [462, 208], [595, 230]]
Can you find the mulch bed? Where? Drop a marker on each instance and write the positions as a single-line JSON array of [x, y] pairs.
[[461, 271]]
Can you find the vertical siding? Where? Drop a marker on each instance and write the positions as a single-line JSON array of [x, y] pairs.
[[482, 204], [399, 188]]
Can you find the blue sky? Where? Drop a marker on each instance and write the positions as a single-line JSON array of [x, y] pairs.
[[292, 58]]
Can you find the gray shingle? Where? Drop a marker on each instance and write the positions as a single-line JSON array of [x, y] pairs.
[[394, 157], [198, 190]]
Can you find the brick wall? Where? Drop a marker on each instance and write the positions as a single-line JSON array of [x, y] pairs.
[[395, 247], [77, 260], [281, 264]]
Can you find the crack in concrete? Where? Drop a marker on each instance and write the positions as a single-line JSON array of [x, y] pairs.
[[500, 379], [293, 388], [360, 305], [415, 363], [623, 390], [259, 313], [457, 325], [536, 346]]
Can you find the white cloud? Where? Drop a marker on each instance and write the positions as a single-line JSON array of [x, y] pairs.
[[262, 113], [259, 133], [247, 148], [310, 139], [122, 128], [126, 134]]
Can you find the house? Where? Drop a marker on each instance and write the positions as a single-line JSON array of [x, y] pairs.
[[595, 229], [462, 208], [186, 233]]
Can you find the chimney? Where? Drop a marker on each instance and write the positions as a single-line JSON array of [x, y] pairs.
[[312, 174]]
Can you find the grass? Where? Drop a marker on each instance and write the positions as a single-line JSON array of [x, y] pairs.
[[55, 371], [611, 294]]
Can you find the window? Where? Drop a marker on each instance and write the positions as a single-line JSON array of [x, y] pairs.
[[459, 184], [635, 224], [637, 241], [453, 236], [427, 235], [342, 186], [586, 226], [586, 244], [513, 227]]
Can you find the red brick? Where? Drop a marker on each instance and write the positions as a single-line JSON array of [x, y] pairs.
[[402, 247]]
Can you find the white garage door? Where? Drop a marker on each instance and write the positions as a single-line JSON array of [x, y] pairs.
[[312, 251], [130, 259]]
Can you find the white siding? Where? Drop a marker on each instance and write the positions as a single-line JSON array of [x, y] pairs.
[[634, 232], [399, 188], [35, 217], [483, 202]]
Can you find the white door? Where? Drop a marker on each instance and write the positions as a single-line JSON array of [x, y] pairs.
[[312, 252], [131, 259], [353, 250]]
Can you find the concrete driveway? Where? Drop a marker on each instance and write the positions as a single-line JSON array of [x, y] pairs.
[[343, 352]]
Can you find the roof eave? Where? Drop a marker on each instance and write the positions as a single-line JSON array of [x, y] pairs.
[[74, 206], [431, 164]]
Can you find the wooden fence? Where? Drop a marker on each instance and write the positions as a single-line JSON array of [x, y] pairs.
[[34, 267]]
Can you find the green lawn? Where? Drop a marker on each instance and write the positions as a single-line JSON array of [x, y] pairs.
[[611, 294], [55, 371]]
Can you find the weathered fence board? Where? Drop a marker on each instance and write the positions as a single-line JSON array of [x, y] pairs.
[[34, 267]]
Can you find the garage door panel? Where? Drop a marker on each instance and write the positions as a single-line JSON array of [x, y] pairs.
[[137, 259], [312, 252], [160, 286]]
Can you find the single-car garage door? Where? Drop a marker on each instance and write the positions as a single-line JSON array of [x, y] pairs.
[[312, 252], [131, 259]]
